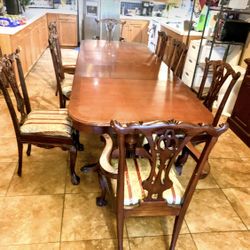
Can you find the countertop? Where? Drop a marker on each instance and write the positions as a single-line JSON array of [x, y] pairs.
[[32, 15]]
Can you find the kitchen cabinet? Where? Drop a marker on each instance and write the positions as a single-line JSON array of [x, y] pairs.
[[67, 28], [32, 41], [239, 121], [135, 31]]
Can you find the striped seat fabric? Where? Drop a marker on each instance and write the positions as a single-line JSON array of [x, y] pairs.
[[48, 122], [67, 85], [138, 170]]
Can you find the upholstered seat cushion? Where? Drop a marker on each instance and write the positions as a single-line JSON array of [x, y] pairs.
[[67, 85], [138, 170], [48, 122]]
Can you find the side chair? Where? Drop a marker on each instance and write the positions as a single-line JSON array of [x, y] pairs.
[[177, 54], [42, 128], [59, 67], [146, 184], [110, 25], [161, 44], [221, 73]]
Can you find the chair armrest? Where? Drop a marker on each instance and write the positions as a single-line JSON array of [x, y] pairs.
[[104, 160]]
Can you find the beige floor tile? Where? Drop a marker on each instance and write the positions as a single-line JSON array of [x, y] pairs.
[[7, 171], [89, 183], [231, 172], [93, 245], [184, 242], [206, 183], [83, 220], [6, 127], [240, 201], [222, 241], [48, 246], [210, 211], [151, 226], [40, 178], [8, 149], [30, 219]]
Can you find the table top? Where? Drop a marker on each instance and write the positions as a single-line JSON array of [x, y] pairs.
[[129, 86]]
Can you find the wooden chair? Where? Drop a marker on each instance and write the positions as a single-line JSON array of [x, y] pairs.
[[43, 128], [177, 51], [64, 68], [146, 184], [161, 44], [221, 72], [110, 25], [63, 85]]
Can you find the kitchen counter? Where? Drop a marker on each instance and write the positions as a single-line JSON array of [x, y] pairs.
[[32, 15], [174, 24]]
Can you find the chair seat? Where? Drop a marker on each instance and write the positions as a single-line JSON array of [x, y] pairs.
[[67, 85], [137, 170], [48, 122]]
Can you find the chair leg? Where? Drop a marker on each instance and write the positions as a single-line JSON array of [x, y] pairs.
[[28, 150], [20, 158], [79, 146], [177, 228], [120, 224], [101, 201], [181, 160], [75, 180]]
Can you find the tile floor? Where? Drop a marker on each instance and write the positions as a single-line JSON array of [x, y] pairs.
[[42, 210]]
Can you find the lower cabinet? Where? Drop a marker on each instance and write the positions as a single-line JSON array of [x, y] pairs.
[[67, 28], [135, 31]]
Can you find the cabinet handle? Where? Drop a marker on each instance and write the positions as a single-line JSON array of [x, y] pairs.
[[190, 60], [187, 73], [193, 47]]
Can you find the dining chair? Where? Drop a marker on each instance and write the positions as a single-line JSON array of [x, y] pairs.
[[177, 51], [161, 44], [222, 73], [62, 68], [146, 184], [63, 85], [110, 24], [42, 128]]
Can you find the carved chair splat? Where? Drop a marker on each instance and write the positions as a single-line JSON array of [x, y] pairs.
[[110, 25], [161, 44]]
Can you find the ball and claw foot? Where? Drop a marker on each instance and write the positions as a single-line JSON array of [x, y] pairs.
[[100, 202], [75, 179], [79, 147]]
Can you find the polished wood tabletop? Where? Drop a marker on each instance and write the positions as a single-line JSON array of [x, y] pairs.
[[131, 85]]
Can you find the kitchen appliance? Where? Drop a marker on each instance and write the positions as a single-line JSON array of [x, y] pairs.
[[147, 8], [89, 10], [13, 7], [232, 30], [153, 29]]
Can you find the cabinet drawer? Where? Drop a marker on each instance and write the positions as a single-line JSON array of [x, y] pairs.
[[190, 64], [187, 77]]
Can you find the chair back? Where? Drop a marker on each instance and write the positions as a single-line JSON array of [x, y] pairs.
[[166, 141], [161, 44], [56, 59], [110, 25], [54, 39], [221, 71], [7, 73], [177, 53]]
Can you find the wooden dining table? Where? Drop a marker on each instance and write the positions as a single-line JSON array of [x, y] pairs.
[[126, 82]]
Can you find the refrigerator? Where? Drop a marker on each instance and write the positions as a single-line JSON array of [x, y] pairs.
[[89, 10]]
